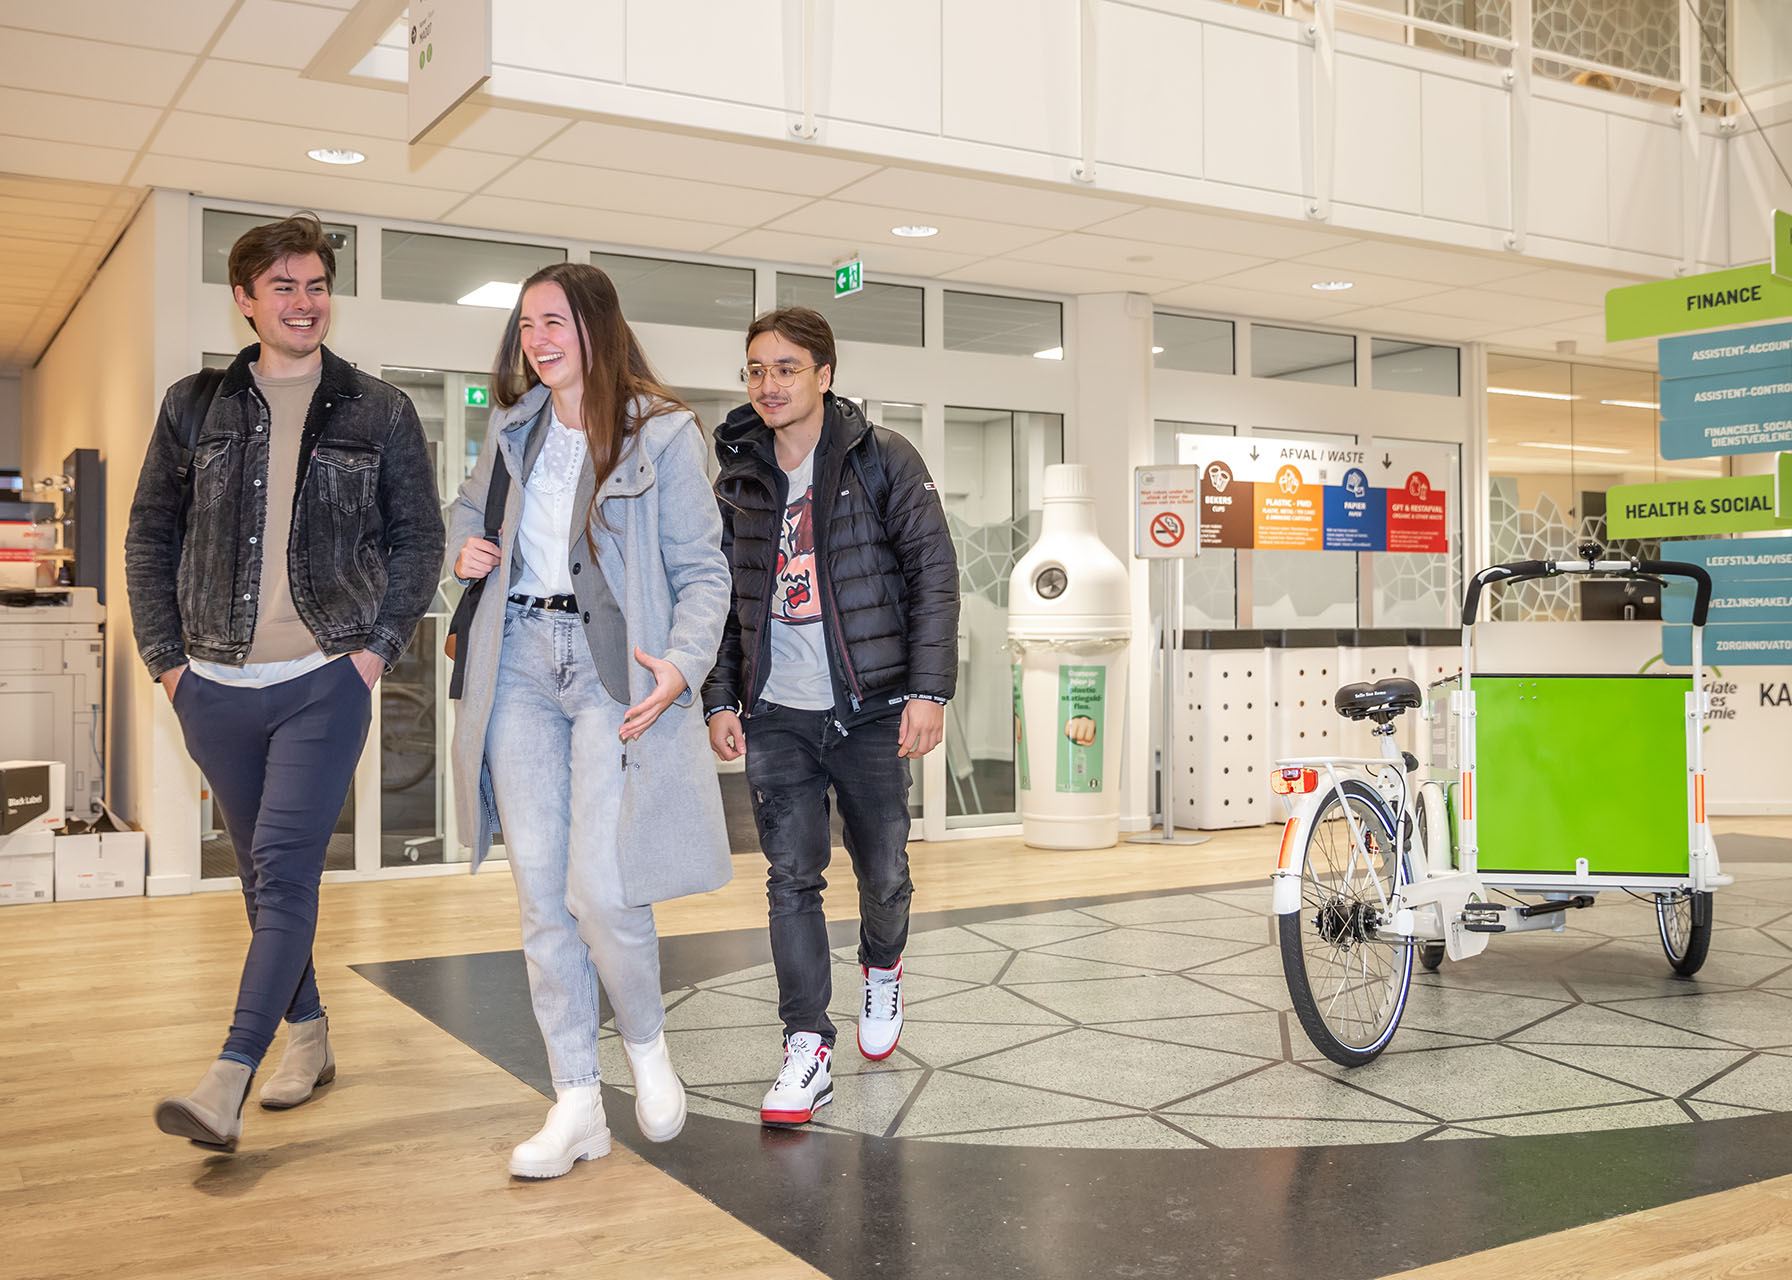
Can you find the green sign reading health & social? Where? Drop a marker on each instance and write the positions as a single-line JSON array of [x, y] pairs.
[[1727, 504]]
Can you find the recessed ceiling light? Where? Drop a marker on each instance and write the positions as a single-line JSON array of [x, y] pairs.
[[1529, 395], [1157, 351], [335, 155], [1631, 404], [1567, 448], [493, 293], [1334, 286], [914, 231], [1050, 353]]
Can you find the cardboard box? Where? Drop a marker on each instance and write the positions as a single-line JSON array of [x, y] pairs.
[[107, 865], [33, 795], [18, 569], [28, 868]]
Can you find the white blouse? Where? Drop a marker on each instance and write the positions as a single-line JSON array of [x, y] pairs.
[[544, 535]]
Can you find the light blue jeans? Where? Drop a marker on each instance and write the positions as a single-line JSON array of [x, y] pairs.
[[556, 766]]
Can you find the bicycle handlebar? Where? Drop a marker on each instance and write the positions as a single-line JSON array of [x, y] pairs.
[[1520, 570]]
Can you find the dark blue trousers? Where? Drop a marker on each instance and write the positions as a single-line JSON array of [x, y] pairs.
[[793, 756], [280, 761]]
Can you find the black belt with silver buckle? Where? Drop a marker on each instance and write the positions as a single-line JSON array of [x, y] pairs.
[[558, 604]]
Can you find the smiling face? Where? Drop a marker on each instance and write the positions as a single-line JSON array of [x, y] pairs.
[[289, 310], [550, 338], [800, 403]]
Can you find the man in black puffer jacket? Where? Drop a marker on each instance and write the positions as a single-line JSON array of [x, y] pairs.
[[839, 655]]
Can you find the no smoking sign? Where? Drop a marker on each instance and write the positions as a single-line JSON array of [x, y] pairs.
[[1167, 508]]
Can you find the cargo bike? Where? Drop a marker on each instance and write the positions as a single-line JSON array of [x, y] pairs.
[[1543, 791]]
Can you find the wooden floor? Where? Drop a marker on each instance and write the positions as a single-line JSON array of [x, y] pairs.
[[399, 1170]]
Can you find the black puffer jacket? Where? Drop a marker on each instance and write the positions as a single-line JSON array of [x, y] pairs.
[[888, 572]]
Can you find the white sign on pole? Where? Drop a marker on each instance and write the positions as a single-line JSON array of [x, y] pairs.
[[1167, 506], [450, 57]]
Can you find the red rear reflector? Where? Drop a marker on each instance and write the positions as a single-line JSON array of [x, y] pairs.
[[1698, 799], [1293, 782], [1468, 797]]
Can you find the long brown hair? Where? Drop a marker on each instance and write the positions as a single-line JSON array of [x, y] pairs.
[[616, 371]]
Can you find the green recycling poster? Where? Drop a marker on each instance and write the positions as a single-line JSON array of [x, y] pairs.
[[1082, 715], [1020, 735]]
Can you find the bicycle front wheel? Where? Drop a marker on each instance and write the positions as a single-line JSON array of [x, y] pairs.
[[1348, 978]]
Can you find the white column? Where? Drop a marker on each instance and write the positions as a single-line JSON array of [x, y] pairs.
[[1111, 434]]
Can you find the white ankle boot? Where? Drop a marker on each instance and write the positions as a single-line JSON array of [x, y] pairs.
[[574, 1131], [659, 1093]]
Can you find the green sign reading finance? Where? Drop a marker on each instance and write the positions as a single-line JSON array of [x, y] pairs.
[[1725, 504], [1715, 300], [1782, 244]]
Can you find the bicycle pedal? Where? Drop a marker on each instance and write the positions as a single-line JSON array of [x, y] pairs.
[[1483, 917]]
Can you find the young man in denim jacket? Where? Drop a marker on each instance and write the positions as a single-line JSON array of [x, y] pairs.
[[271, 586]]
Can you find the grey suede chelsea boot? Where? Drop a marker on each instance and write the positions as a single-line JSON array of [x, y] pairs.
[[212, 1115], [308, 1062]]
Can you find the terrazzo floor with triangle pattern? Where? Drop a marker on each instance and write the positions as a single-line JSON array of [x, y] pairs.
[[1164, 1022]]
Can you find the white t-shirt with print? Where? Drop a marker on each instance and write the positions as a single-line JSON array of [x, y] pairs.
[[800, 676]]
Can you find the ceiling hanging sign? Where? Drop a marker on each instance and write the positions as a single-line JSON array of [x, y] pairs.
[[1782, 244], [1749, 411], [1259, 493], [1168, 507], [1705, 355], [1750, 619], [1715, 300], [1683, 508], [849, 277], [450, 57]]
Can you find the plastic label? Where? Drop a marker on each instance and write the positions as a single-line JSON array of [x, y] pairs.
[[1022, 764], [1082, 715]]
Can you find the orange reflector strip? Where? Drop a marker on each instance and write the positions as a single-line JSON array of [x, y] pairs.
[[1698, 799], [1468, 796], [1287, 843]]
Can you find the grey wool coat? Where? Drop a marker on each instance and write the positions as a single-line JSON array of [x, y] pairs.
[[661, 557]]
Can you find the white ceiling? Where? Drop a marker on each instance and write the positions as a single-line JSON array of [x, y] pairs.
[[102, 99]]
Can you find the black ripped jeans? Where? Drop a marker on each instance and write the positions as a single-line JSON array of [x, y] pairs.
[[793, 756]]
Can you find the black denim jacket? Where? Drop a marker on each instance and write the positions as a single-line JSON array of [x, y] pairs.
[[366, 544]]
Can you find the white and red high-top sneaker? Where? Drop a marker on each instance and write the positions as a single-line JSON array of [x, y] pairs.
[[803, 1087], [880, 1015]]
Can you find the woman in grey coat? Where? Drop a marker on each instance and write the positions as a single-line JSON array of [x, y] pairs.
[[577, 733]]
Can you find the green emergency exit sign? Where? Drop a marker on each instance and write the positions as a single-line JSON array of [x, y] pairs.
[[849, 277], [478, 397]]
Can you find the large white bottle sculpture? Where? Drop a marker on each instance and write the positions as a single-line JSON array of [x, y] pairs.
[[1069, 624]]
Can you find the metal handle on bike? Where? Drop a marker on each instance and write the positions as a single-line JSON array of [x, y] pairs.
[[1521, 570]]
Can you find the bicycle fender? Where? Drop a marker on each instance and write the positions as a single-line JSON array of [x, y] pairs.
[[1291, 858]]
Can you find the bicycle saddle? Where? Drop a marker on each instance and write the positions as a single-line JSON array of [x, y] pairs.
[[1381, 701]]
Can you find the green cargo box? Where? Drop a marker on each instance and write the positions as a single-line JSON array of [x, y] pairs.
[[1570, 767]]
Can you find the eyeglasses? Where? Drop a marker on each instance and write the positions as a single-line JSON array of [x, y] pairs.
[[781, 374]]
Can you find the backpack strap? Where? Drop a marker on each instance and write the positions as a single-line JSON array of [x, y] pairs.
[[192, 421]]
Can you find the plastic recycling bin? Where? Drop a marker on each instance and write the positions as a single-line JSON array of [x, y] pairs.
[[1069, 629]]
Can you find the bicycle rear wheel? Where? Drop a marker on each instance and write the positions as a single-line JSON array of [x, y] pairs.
[[1348, 980]]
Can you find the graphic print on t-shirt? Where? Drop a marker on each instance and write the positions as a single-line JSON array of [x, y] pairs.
[[796, 600]]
